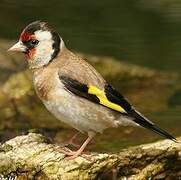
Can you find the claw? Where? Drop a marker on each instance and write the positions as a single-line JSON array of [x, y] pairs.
[[64, 150], [74, 154]]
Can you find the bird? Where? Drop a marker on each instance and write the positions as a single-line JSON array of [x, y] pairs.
[[72, 90]]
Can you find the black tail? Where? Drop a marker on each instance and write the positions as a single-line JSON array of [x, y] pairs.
[[139, 119]]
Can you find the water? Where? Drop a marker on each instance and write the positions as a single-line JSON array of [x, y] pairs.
[[139, 32]]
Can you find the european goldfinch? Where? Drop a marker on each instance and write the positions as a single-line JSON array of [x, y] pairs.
[[72, 90]]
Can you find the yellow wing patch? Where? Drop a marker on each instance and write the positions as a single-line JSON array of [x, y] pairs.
[[103, 99]]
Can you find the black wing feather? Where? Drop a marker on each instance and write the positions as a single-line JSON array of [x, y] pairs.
[[142, 121], [116, 97], [78, 88]]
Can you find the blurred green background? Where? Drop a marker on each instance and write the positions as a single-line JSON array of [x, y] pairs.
[[142, 32]]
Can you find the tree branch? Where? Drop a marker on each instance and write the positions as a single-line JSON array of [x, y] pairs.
[[33, 157]]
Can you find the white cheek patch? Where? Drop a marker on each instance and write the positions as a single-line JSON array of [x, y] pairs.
[[44, 51], [43, 35]]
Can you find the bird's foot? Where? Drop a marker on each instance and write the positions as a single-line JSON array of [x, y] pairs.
[[68, 143], [75, 154], [64, 150], [70, 155]]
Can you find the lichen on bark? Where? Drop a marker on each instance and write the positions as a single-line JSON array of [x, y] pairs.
[[32, 156]]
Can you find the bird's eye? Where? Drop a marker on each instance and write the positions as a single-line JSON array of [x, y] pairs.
[[33, 42]]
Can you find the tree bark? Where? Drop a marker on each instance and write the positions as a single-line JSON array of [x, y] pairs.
[[32, 156]]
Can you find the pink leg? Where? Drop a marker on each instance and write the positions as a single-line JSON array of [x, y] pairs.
[[65, 150], [74, 154], [71, 141]]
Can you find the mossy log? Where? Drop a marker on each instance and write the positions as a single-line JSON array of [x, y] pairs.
[[32, 156]]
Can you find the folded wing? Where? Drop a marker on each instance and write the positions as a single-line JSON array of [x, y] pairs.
[[111, 99]]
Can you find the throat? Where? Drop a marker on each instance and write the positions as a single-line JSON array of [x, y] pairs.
[[30, 54], [37, 60]]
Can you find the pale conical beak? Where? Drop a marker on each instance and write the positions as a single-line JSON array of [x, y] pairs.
[[18, 47]]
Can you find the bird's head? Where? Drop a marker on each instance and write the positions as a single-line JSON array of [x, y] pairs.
[[40, 43]]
